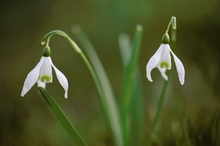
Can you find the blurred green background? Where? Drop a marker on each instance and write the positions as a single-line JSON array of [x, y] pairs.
[[193, 107]]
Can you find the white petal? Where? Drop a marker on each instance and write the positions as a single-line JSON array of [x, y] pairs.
[[180, 68], [165, 55], [46, 70], [163, 73], [62, 79], [32, 77], [152, 63]]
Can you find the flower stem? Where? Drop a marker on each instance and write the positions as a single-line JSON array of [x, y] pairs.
[[165, 85], [110, 114], [171, 23], [158, 111]]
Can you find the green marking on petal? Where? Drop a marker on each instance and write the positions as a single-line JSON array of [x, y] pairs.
[[45, 78], [164, 65]]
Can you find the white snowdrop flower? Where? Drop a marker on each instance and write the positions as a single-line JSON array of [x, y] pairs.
[[42, 74], [162, 60]]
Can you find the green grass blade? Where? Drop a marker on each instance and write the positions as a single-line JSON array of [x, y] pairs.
[[137, 103], [62, 118], [137, 99], [128, 81], [112, 115], [125, 48]]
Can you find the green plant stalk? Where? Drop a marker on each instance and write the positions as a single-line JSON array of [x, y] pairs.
[[46, 39], [130, 71], [138, 108], [62, 118], [165, 85], [125, 48], [114, 122], [137, 103], [158, 111], [109, 112]]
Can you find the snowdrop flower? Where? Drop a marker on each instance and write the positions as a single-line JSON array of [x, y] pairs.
[[162, 60], [42, 74]]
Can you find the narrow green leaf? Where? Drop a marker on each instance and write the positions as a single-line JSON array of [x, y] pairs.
[[112, 113], [137, 99], [62, 118], [128, 81], [125, 48], [137, 103]]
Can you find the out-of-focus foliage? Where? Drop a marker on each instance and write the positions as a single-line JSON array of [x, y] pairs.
[[191, 112]]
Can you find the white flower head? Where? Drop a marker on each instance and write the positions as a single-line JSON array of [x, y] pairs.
[[162, 60], [42, 74]]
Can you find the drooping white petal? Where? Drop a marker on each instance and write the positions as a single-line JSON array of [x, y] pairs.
[[62, 79], [165, 61], [153, 62], [46, 71], [180, 68], [32, 77], [163, 73], [165, 56]]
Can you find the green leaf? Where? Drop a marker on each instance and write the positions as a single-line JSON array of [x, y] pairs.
[[108, 100], [62, 118], [125, 48], [137, 97], [128, 82]]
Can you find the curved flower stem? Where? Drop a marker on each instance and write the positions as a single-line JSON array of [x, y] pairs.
[[171, 23], [165, 85], [47, 37], [109, 113]]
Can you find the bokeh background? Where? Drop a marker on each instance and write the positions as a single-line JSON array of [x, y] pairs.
[[193, 107]]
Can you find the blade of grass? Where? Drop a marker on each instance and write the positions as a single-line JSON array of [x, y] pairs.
[[128, 80], [137, 97], [137, 117], [125, 48], [62, 118], [113, 118]]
